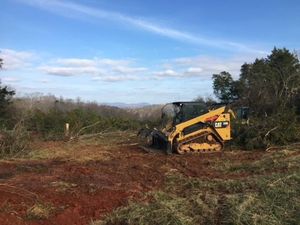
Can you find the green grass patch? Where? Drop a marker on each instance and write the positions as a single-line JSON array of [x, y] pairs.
[[281, 161], [39, 211], [258, 199]]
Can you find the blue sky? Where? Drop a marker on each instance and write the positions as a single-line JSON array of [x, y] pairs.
[[135, 51]]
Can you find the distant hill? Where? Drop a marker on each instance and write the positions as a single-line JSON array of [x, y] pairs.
[[139, 111], [127, 105], [149, 112]]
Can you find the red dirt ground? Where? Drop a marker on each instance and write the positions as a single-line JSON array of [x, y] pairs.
[[80, 192]]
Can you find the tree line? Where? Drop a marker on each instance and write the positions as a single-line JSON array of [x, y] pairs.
[[270, 87]]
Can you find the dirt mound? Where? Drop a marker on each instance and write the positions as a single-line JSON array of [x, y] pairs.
[[77, 192]]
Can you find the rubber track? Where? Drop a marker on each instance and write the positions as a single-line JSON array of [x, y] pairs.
[[194, 137]]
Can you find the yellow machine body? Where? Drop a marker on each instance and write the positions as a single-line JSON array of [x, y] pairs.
[[198, 132], [213, 135]]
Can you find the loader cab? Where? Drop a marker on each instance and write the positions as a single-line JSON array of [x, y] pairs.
[[168, 116], [179, 112], [242, 114]]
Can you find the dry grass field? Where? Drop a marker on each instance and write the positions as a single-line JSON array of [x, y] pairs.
[[111, 180]]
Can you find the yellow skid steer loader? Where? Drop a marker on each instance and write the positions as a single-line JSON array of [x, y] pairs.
[[190, 127]]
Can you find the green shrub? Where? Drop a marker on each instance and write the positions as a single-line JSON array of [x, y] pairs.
[[50, 124], [14, 142], [278, 129], [272, 199]]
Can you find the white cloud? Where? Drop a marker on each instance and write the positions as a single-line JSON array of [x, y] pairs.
[[69, 71], [114, 70], [167, 73], [129, 70], [13, 59], [115, 78], [193, 71], [99, 69], [202, 66], [79, 62], [67, 8], [76, 62], [189, 69], [10, 79], [44, 81], [180, 73], [211, 65]]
